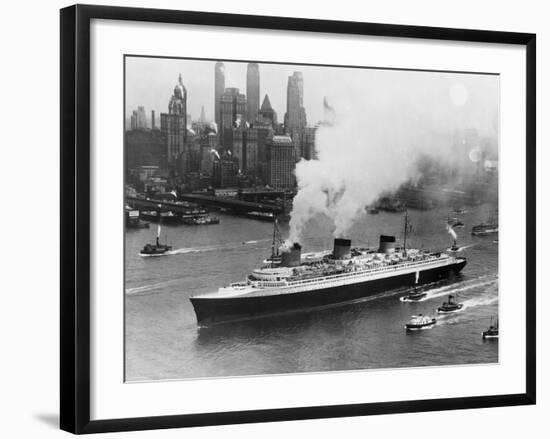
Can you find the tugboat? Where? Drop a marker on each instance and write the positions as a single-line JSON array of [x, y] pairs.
[[454, 247], [450, 306], [492, 332], [156, 249], [414, 295], [420, 322]]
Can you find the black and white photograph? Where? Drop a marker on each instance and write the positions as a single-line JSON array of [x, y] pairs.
[[292, 218]]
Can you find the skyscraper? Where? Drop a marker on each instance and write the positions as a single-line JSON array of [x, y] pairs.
[[281, 162], [232, 114], [173, 124], [141, 118], [219, 88], [138, 120], [267, 114], [202, 118], [295, 117], [252, 92]]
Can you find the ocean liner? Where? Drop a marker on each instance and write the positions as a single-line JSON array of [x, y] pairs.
[[290, 280]]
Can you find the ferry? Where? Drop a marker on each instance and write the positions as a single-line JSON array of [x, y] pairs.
[[420, 322], [488, 227]]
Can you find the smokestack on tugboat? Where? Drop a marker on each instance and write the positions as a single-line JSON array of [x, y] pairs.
[[292, 257], [342, 248], [387, 244]]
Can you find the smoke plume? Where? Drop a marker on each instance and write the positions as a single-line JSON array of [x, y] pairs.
[[451, 232], [382, 127]]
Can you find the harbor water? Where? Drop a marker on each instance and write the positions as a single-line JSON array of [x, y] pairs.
[[163, 340]]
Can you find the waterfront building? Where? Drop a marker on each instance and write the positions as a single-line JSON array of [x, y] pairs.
[[194, 155], [252, 92], [281, 162], [173, 125], [144, 148], [225, 172], [219, 88]]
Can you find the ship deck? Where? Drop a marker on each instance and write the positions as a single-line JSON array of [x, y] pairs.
[[353, 276]]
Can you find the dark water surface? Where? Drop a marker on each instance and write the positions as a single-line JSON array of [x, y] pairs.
[[164, 342]]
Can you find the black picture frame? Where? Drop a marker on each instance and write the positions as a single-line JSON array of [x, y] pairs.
[[75, 217]]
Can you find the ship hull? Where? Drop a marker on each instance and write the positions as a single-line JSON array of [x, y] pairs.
[[211, 309]]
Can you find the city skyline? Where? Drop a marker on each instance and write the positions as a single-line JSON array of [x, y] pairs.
[[150, 82]]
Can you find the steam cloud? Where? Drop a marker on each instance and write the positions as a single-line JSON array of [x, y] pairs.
[[380, 131], [451, 232]]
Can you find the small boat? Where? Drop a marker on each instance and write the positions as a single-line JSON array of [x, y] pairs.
[[457, 224], [133, 220], [495, 241], [420, 322], [450, 306], [372, 210], [156, 249], [458, 211], [201, 220], [489, 227], [261, 216], [492, 331], [414, 295], [158, 216]]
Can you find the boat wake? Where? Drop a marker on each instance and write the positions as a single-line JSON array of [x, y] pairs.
[[144, 290], [207, 248], [454, 288], [460, 248], [480, 301]]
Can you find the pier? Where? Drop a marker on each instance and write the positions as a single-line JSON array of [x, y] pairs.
[[232, 204]]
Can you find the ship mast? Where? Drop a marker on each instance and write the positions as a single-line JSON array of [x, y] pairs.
[[405, 233], [276, 239]]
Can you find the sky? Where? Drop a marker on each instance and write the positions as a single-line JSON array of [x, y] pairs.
[[458, 100]]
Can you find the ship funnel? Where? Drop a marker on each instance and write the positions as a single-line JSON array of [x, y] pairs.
[[387, 244], [342, 248], [292, 257]]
